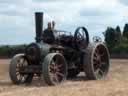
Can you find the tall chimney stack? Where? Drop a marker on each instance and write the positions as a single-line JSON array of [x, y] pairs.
[[39, 25]]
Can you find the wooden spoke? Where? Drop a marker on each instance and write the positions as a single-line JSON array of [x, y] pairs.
[[60, 74]]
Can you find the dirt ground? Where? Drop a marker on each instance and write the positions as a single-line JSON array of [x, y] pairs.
[[116, 84]]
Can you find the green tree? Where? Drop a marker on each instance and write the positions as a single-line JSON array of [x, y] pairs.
[[125, 31], [7, 51], [118, 34], [110, 37]]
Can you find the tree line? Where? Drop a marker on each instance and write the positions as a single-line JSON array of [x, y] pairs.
[[8, 51], [117, 40]]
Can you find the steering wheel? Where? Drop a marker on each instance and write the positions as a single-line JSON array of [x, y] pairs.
[[97, 39], [81, 38]]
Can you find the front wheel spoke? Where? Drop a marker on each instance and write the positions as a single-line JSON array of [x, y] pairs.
[[100, 72], [58, 70], [51, 66], [60, 65], [56, 77], [60, 74]]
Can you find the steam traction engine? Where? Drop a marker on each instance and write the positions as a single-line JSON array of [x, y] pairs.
[[67, 56]]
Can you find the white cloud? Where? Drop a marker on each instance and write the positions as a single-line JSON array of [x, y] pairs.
[[125, 2], [95, 15]]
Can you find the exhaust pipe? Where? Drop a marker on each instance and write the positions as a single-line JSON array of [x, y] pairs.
[[39, 26]]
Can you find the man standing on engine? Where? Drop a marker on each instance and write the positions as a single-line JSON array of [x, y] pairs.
[[48, 34]]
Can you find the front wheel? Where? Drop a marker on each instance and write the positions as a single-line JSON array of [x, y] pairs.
[[96, 61], [54, 69], [16, 68]]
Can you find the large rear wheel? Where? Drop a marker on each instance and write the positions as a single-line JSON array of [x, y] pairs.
[[54, 69], [96, 61]]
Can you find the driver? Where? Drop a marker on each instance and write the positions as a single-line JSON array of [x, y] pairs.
[[48, 34]]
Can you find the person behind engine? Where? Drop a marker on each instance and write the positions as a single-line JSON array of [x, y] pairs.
[[48, 34]]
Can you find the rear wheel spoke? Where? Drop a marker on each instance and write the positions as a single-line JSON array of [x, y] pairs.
[[101, 72], [102, 54]]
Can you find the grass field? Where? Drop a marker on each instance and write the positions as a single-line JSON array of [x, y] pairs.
[[116, 84]]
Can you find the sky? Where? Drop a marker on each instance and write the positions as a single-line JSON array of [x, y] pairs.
[[17, 24]]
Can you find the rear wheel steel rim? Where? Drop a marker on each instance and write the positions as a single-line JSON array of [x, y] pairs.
[[100, 61]]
